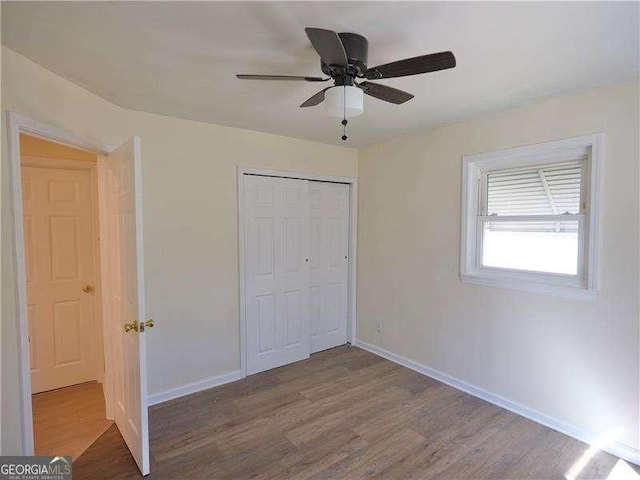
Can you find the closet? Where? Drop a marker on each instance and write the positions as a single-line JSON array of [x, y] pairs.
[[296, 268]]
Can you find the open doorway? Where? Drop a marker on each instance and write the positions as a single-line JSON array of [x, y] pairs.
[[66, 343], [119, 280]]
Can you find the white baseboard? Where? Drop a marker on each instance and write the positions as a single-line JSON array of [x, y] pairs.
[[618, 449], [159, 397]]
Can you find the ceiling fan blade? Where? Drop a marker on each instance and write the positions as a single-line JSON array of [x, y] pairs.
[[328, 45], [383, 92], [243, 76], [317, 99], [412, 66]]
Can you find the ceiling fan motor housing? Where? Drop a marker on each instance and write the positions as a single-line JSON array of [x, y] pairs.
[[357, 49]]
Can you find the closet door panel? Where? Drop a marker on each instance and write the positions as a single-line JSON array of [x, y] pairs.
[[329, 263], [276, 271]]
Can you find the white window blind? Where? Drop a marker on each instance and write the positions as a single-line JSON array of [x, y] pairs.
[[544, 190]]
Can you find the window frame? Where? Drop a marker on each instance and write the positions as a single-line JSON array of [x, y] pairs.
[[474, 175]]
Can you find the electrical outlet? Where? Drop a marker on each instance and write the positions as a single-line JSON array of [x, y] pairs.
[[379, 326]]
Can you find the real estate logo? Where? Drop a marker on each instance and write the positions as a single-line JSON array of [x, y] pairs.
[[35, 468]]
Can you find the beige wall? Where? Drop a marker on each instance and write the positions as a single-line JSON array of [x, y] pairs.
[[191, 236], [576, 361], [190, 223]]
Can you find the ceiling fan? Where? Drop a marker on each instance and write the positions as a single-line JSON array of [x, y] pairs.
[[343, 57]]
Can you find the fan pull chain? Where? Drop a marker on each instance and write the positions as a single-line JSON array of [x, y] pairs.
[[344, 112]]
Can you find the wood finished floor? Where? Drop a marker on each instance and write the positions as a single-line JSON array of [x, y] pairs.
[[345, 413], [67, 420]]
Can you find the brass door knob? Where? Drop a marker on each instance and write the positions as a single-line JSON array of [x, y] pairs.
[[87, 288], [149, 323], [138, 326], [135, 326]]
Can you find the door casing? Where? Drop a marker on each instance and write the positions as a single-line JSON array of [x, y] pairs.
[[18, 124], [353, 222]]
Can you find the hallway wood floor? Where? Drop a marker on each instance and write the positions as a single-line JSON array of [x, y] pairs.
[[67, 420], [344, 413]]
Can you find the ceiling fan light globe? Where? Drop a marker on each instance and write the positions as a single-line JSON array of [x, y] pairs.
[[344, 101]]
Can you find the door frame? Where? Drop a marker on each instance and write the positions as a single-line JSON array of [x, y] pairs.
[[18, 124], [352, 182]]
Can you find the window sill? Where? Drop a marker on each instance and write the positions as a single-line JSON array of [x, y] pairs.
[[531, 287]]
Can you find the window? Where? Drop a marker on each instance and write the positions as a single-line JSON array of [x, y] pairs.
[[530, 217]]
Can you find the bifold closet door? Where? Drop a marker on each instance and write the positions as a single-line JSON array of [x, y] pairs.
[[329, 264], [276, 271]]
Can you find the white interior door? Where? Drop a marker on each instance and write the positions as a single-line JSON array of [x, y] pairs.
[[328, 264], [60, 266], [127, 358], [276, 271]]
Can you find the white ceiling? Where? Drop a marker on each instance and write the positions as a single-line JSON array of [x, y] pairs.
[[180, 58]]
